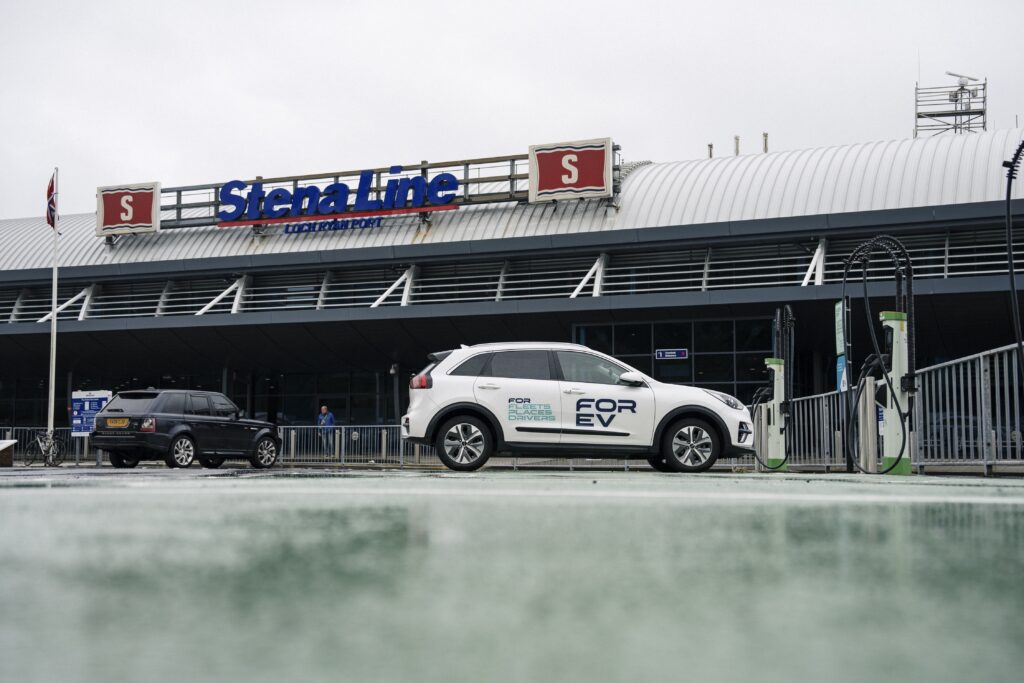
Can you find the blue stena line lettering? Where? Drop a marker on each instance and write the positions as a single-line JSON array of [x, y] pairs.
[[399, 193]]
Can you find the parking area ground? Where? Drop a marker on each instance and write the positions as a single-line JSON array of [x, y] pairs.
[[292, 575]]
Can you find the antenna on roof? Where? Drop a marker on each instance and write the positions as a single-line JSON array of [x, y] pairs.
[[962, 80], [960, 108]]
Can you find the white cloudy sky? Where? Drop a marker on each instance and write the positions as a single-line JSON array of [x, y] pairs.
[[190, 92]]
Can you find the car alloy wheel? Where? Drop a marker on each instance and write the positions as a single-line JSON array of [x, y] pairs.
[[690, 446], [183, 451], [464, 443], [266, 453]]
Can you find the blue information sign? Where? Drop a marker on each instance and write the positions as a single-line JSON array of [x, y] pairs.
[[671, 354], [84, 406]]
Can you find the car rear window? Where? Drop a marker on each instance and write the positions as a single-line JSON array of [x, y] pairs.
[[173, 404], [472, 367], [130, 402], [521, 365]]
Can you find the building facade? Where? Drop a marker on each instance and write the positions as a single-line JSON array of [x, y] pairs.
[[693, 255]]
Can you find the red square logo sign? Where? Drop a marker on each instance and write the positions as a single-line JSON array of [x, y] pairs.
[[571, 170], [128, 209]]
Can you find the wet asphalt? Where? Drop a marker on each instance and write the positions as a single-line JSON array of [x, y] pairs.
[[171, 575]]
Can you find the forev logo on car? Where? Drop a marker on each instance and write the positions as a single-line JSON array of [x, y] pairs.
[[525, 410], [601, 410]]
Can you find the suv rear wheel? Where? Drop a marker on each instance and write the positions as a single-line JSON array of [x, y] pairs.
[[464, 443], [210, 463], [690, 445], [181, 453], [265, 454]]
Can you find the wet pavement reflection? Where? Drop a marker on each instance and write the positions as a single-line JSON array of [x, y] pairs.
[[508, 576]]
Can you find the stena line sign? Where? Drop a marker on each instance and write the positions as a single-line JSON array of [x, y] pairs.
[[556, 172], [336, 206]]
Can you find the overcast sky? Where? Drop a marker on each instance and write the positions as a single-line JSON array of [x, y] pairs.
[[185, 92]]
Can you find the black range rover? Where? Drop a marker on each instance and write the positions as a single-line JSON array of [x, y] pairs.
[[179, 426]]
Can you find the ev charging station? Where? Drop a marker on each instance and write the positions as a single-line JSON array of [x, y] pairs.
[[773, 417], [895, 423], [890, 368]]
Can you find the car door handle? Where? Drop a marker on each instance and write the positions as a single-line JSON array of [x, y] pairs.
[[488, 386], [573, 391]]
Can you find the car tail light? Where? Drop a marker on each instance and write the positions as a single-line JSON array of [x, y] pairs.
[[148, 424], [421, 381]]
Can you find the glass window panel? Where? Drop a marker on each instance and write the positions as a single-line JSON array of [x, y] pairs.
[[299, 383], [597, 337], [583, 367], [131, 402], [674, 371], [750, 367], [222, 407], [713, 367], [174, 404], [472, 367], [299, 410], [753, 335], [333, 383], [197, 405], [521, 365], [632, 339], [364, 383], [712, 335], [364, 410], [673, 335]]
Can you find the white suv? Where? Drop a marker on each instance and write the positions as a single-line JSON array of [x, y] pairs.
[[550, 399]]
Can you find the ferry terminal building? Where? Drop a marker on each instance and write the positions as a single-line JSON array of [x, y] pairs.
[[286, 313]]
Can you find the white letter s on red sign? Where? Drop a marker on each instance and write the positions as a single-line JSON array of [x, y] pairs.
[[129, 210], [573, 173]]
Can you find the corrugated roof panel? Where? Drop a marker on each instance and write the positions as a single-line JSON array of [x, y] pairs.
[[873, 176]]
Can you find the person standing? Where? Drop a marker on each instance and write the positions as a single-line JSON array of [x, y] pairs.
[[325, 426]]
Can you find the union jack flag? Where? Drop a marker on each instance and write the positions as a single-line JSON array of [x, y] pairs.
[[51, 202]]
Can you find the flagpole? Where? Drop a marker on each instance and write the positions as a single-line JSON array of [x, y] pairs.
[[53, 314]]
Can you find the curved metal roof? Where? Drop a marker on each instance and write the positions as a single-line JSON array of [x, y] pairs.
[[940, 170]]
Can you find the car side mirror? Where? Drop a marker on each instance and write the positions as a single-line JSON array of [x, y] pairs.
[[633, 379], [239, 414]]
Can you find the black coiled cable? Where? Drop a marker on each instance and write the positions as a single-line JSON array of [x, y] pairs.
[[1012, 166]]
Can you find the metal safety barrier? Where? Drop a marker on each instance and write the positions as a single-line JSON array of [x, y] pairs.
[[75, 450], [815, 431], [347, 445], [968, 411]]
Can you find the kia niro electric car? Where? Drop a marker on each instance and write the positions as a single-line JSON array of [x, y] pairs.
[[179, 427], [549, 399]]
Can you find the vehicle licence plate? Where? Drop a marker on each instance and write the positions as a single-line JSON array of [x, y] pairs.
[[117, 421]]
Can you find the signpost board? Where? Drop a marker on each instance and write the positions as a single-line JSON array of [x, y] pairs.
[[571, 170], [671, 354], [128, 209], [84, 406], [841, 375]]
